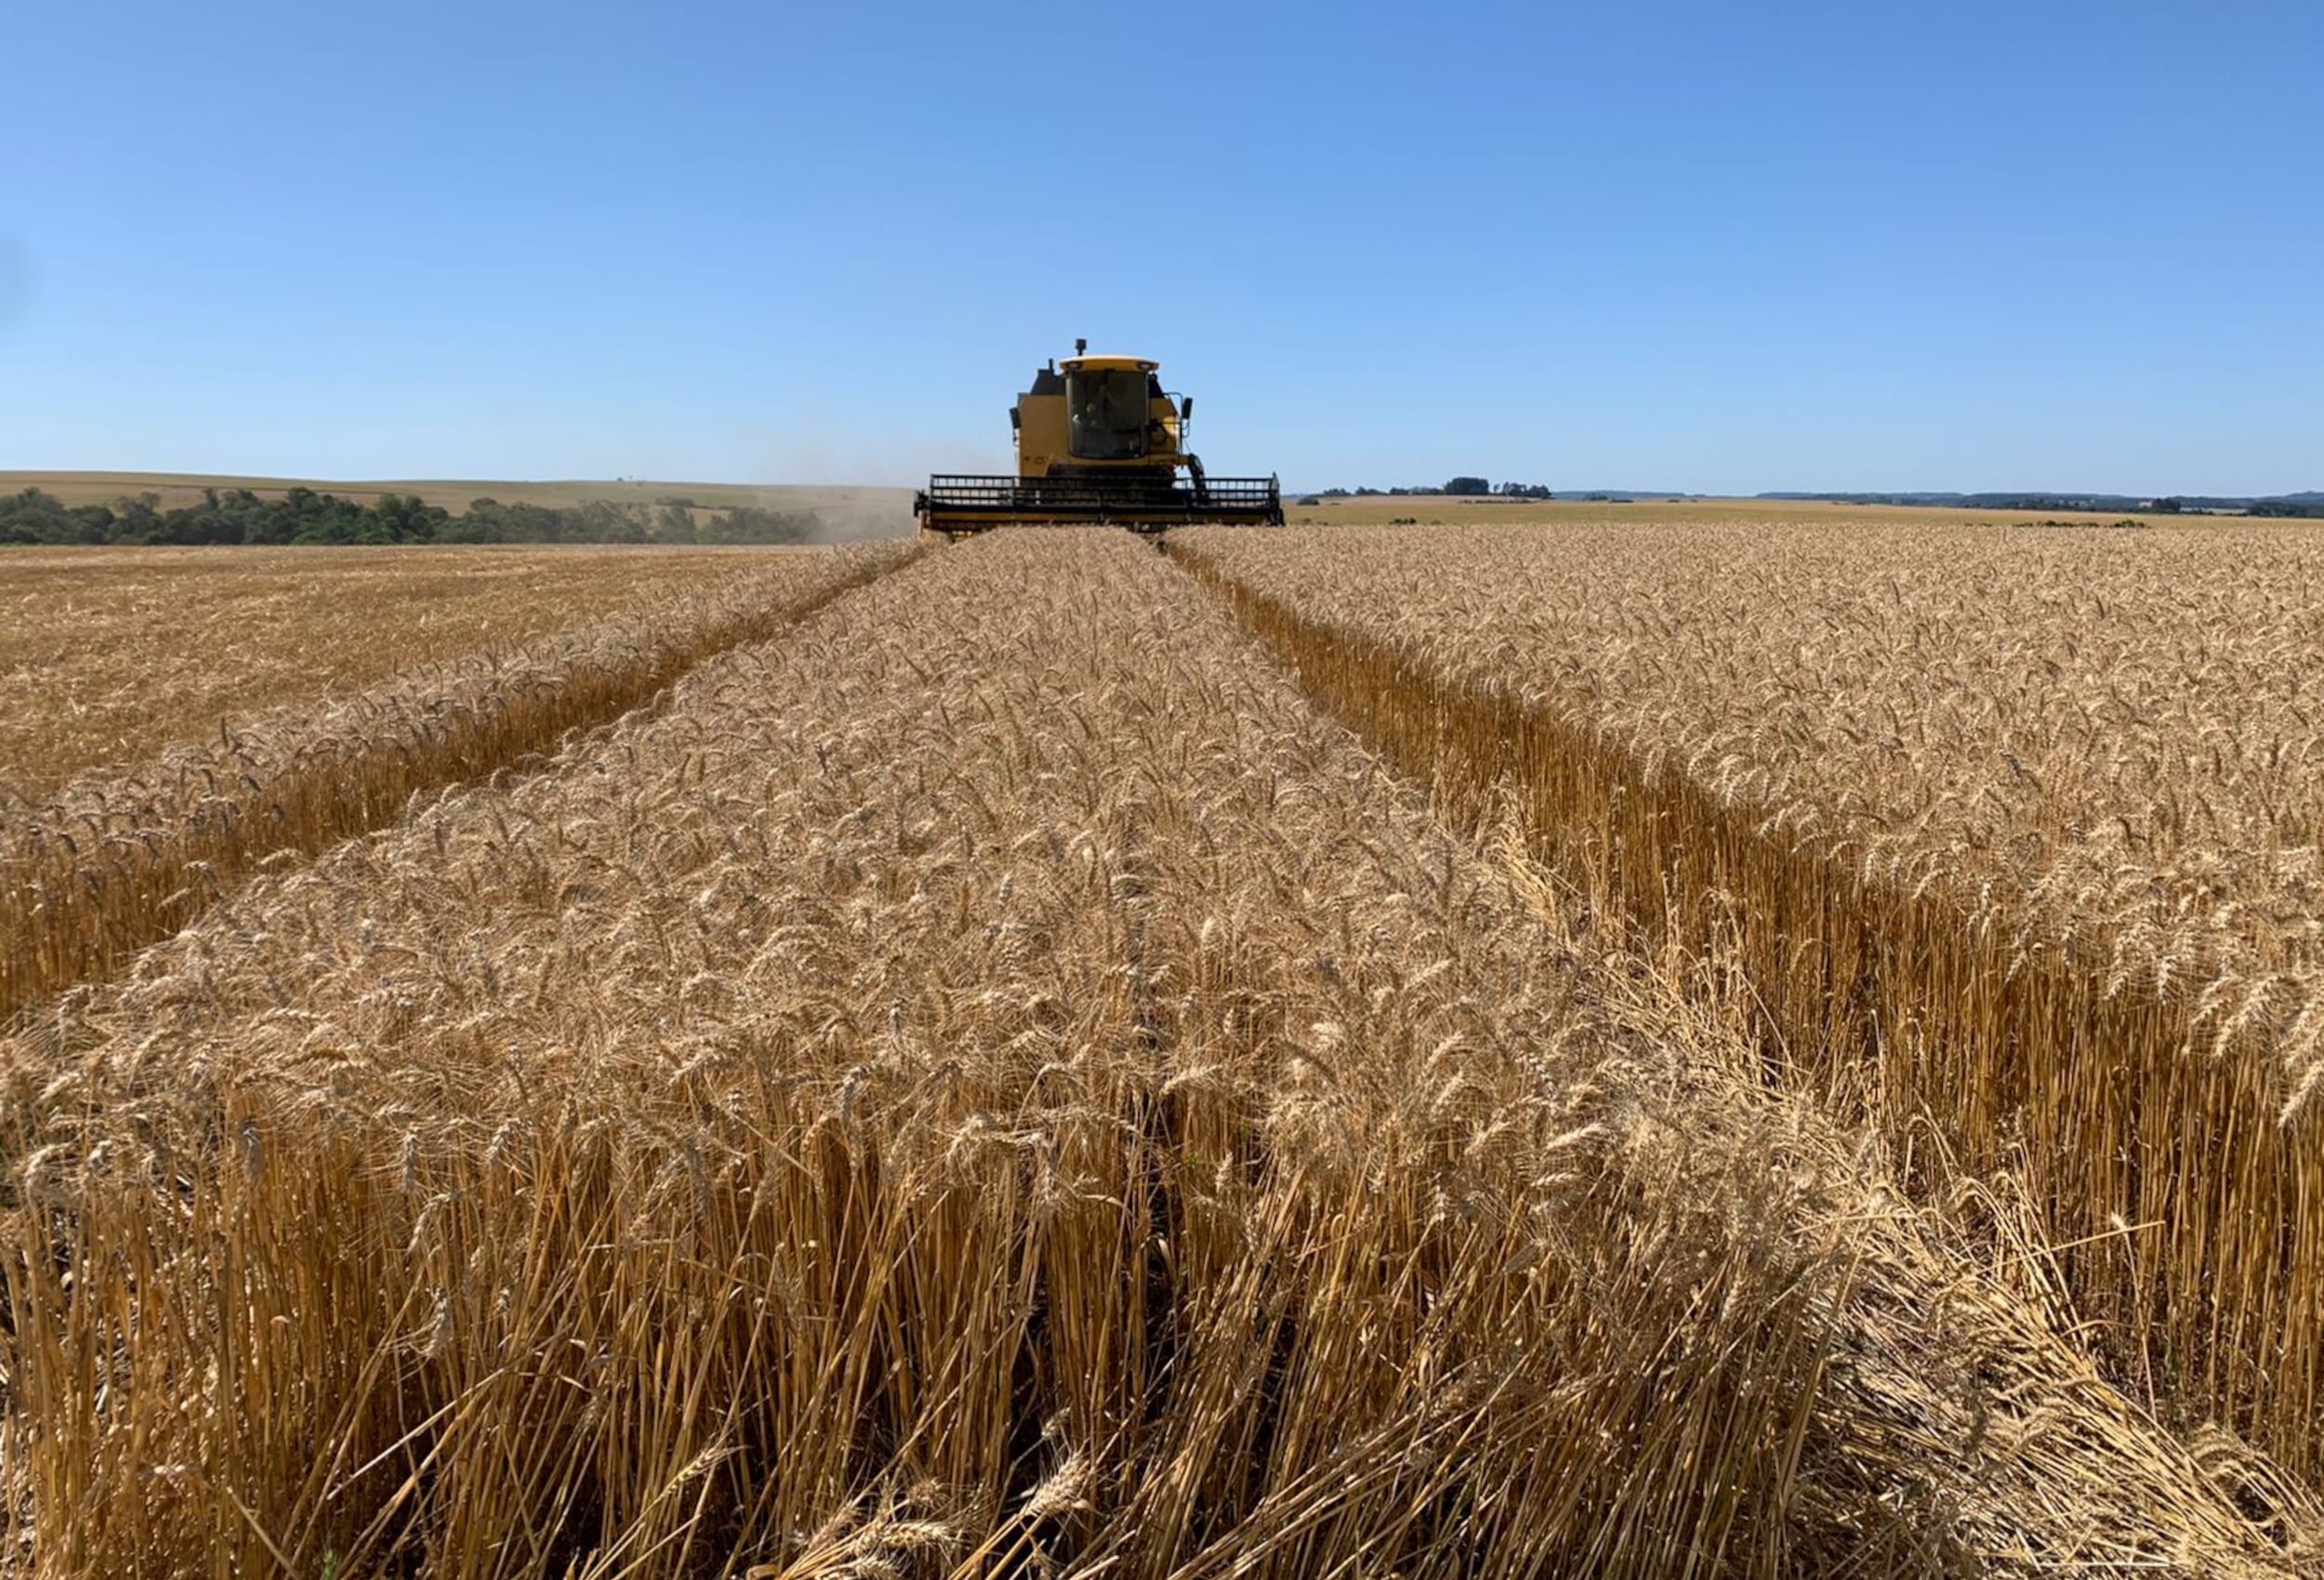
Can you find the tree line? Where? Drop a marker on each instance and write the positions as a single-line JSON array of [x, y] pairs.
[[2295, 506], [1463, 484], [304, 515]]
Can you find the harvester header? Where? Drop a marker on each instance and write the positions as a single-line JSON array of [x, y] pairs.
[[1099, 442]]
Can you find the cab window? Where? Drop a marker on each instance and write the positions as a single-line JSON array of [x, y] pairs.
[[1106, 415]]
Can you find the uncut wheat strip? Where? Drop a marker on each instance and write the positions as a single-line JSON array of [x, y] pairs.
[[1950, 693], [118, 863], [1381, 1049], [1959, 1356], [1624, 825], [264, 742], [596, 829], [124, 650], [2153, 1475], [1951, 618], [812, 744], [402, 713]]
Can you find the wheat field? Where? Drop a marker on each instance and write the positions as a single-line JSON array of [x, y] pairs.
[[970, 1069], [120, 857], [110, 656], [2015, 835]]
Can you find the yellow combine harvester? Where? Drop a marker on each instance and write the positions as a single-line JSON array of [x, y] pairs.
[[1098, 443]]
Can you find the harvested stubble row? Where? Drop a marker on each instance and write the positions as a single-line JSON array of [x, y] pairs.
[[987, 1085], [116, 861], [109, 656], [2014, 833]]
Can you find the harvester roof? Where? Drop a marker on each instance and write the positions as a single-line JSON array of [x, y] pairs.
[[1108, 364]]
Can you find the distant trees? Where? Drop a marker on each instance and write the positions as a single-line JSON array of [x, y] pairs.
[[1463, 485], [752, 523], [304, 515], [34, 517]]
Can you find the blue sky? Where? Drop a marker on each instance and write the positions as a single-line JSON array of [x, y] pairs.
[[1717, 246]]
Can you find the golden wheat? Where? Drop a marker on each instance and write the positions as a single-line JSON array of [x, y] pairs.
[[109, 656], [2014, 832], [989, 1084], [116, 861]]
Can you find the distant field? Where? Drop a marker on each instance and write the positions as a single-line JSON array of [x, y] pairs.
[[1447, 509], [874, 512], [847, 512], [878, 512]]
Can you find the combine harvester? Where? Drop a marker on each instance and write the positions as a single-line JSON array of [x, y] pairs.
[[1099, 443]]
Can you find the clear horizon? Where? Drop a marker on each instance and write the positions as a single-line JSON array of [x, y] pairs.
[[1821, 248], [12, 476]]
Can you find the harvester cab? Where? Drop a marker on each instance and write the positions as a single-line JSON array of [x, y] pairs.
[[1099, 443]]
